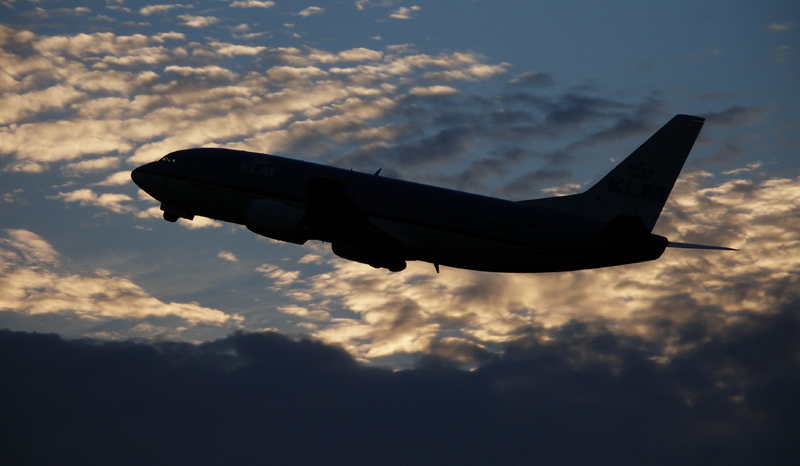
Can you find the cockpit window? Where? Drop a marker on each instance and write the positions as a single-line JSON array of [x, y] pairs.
[[167, 159]]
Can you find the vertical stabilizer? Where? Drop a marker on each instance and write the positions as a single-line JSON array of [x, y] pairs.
[[640, 185]]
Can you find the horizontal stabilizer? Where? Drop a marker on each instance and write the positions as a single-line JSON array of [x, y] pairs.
[[673, 244]]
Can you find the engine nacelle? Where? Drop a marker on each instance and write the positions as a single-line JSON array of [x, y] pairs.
[[370, 257], [172, 213], [277, 221]]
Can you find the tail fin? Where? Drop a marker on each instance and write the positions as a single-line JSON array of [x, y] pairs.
[[640, 185]]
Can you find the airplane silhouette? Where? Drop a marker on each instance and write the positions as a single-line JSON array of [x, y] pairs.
[[386, 222]]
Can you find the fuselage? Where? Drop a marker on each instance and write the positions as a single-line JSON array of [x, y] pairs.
[[426, 223]]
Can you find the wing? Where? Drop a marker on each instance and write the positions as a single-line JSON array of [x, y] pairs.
[[333, 214], [336, 218]]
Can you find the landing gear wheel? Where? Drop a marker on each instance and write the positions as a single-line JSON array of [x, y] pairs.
[[172, 218]]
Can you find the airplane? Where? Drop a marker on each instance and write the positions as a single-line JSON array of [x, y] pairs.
[[386, 222]]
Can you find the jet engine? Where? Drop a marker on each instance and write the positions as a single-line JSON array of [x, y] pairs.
[[277, 221]]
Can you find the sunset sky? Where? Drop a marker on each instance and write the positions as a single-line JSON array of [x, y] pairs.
[[516, 99]]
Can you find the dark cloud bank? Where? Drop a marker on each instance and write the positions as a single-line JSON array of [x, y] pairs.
[[584, 396]]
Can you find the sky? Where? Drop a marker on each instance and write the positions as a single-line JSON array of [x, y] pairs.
[[289, 353]]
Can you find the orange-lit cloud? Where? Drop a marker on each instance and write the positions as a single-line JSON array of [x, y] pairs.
[[119, 94], [114, 99], [32, 283], [417, 309]]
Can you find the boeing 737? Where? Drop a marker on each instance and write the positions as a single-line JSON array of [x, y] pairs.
[[386, 222]]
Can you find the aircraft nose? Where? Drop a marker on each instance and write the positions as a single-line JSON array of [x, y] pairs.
[[137, 176], [144, 176]]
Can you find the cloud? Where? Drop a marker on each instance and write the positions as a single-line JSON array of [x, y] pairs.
[[360, 54], [575, 109], [312, 10], [782, 54], [153, 106], [35, 250], [151, 9], [413, 311], [19, 107], [32, 284], [156, 213], [148, 112], [309, 259], [104, 43], [87, 101], [232, 50], [404, 12], [196, 223], [253, 4], [14, 196], [433, 91], [749, 168], [17, 67], [314, 57], [563, 190], [13, 35], [358, 108], [228, 256], [282, 277], [26, 166], [475, 72], [735, 115], [88, 166], [116, 179], [285, 74], [213, 72], [479, 173], [521, 187], [198, 21], [533, 78], [161, 36], [565, 396], [109, 201], [305, 313], [780, 27]]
